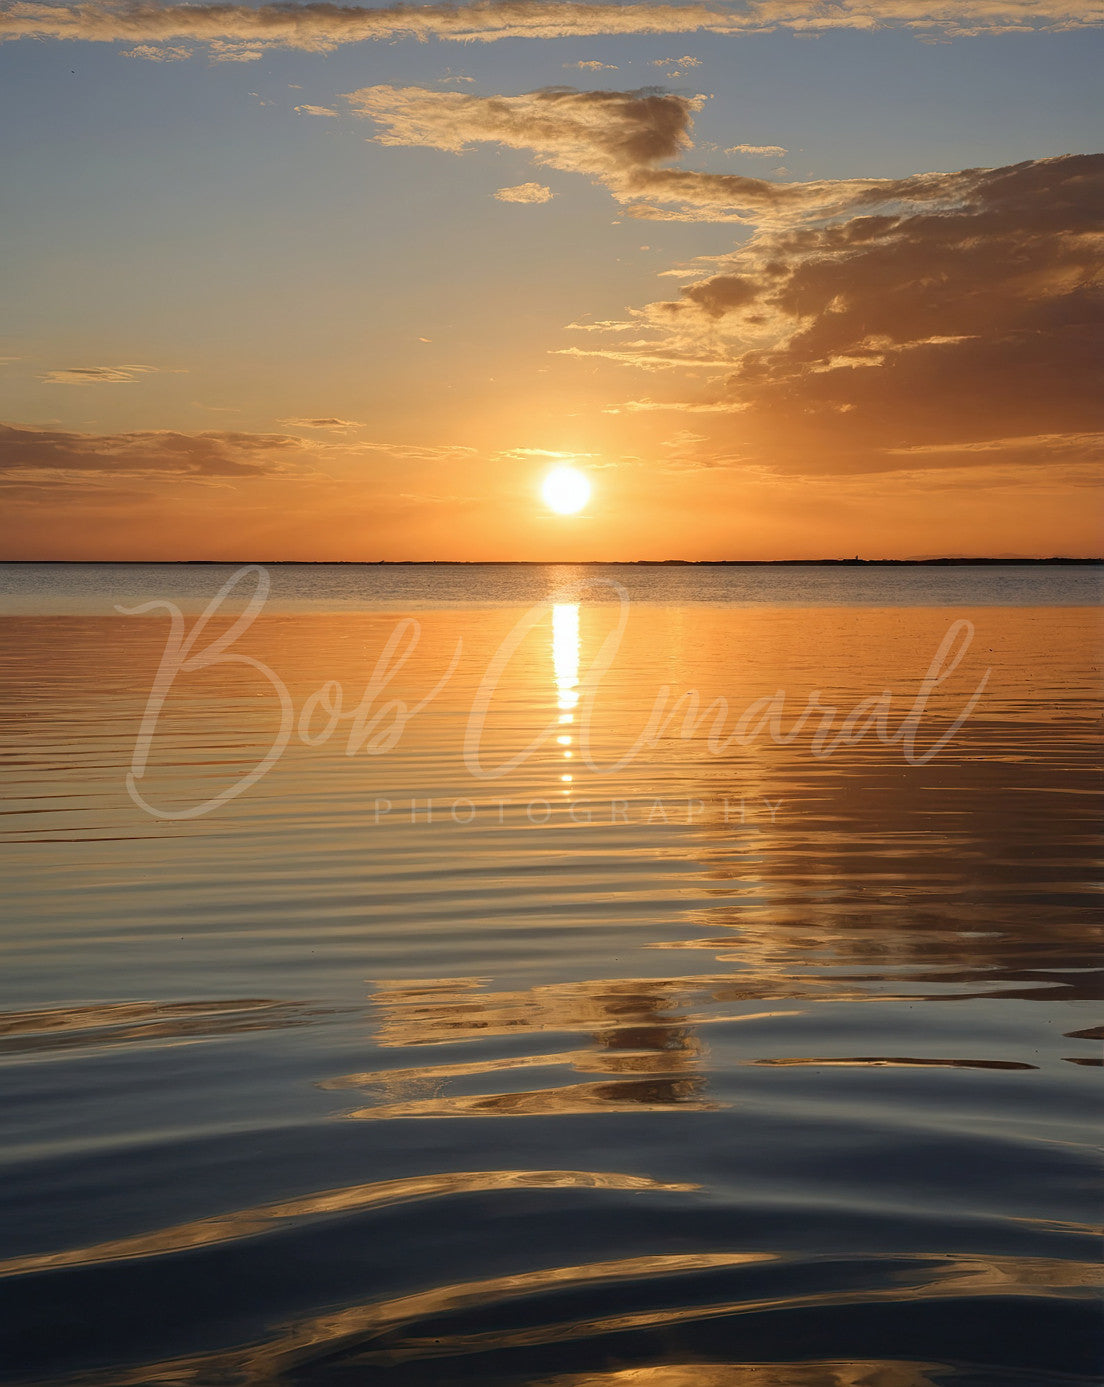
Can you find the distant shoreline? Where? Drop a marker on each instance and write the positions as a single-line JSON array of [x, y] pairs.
[[569, 563]]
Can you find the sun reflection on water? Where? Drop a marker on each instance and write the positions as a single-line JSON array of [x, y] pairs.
[[565, 664]]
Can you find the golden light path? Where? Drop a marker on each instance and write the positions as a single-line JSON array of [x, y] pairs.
[[565, 662]]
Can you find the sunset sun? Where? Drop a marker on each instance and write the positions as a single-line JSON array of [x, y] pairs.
[[565, 490]]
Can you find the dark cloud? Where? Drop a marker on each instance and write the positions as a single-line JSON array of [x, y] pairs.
[[866, 315], [910, 333], [31, 453]]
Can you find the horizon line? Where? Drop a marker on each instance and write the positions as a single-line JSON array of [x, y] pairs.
[[959, 560]]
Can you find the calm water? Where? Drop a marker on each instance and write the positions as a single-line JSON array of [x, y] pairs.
[[97, 588], [517, 1027]]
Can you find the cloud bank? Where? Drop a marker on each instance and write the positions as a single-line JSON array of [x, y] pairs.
[[32, 453], [242, 32], [869, 324], [966, 333]]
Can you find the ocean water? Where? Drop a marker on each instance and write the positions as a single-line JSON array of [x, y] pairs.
[[96, 588], [572, 977]]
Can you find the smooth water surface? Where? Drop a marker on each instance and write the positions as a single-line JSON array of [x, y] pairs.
[[564, 1030]]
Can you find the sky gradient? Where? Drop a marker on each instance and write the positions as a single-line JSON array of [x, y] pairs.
[[785, 280]]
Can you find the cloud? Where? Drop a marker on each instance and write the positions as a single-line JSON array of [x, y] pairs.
[[766, 151], [679, 67], [229, 51], [604, 133], [911, 335], [604, 325], [96, 375], [317, 111], [166, 53], [1087, 446], [30, 453], [420, 452], [643, 211], [682, 443], [241, 33], [620, 139], [865, 314], [650, 354], [90, 492], [524, 192], [331, 425], [552, 454], [592, 66], [648, 406]]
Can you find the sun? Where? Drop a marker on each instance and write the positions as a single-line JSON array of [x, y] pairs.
[[565, 490]]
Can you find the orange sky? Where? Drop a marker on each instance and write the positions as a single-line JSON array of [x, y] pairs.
[[267, 311]]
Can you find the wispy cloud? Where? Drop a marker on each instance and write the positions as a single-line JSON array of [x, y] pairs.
[[307, 110], [97, 375], [159, 53], [1084, 447], [420, 452], [605, 325], [30, 452], [651, 354], [676, 67], [241, 33], [648, 406], [525, 192], [326, 424], [765, 151], [549, 454]]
